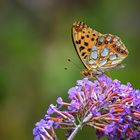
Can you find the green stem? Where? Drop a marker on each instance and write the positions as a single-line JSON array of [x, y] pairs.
[[73, 134]]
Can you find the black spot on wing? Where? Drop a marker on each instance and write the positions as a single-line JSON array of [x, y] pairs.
[[79, 41], [83, 53], [82, 37], [81, 48], [89, 49], [85, 43]]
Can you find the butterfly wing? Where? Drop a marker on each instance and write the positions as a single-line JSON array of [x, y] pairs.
[[111, 52], [98, 52], [84, 38]]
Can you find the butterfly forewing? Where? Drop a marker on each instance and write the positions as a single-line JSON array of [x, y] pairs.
[[84, 38]]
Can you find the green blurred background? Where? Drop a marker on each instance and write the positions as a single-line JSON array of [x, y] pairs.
[[35, 41]]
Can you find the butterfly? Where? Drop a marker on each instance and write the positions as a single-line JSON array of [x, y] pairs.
[[98, 52]]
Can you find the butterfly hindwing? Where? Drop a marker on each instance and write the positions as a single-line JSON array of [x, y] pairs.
[[112, 51]]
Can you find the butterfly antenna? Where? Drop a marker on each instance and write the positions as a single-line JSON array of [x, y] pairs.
[[67, 68], [74, 63]]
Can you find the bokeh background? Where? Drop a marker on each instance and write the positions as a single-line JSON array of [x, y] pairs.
[[35, 43]]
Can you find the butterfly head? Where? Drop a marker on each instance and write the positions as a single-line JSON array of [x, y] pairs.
[[91, 73]]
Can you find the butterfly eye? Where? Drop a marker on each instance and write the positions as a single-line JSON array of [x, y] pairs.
[[97, 74]]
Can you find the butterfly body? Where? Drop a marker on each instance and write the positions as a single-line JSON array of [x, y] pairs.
[[98, 52]]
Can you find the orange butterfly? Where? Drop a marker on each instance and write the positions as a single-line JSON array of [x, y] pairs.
[[98, 52]]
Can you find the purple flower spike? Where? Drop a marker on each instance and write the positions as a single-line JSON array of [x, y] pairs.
[[51, 109], [110, 107], [109, 128]]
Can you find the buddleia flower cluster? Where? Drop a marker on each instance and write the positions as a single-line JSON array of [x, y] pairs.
[[107, 105]]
